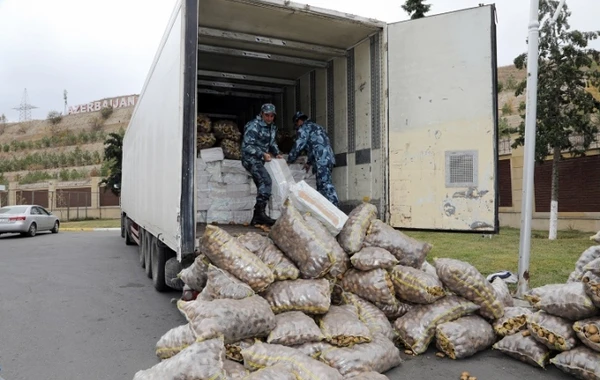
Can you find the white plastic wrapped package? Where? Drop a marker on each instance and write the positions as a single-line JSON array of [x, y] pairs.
[[300, 243], [580, 362], [229, 217], [203, 204], [295, 328], [227, 253], [262, 355], [212, 155], [214, 169], [282, 180], [380, 355], [199, 361], [416, 328], [221, 284], [174, 341], [235, 179], [233, 319], [353, 233], [233, 167], [308, 296], [233, 203], [307, 199]]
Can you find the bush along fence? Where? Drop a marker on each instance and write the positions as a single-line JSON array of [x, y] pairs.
[[68, 200]]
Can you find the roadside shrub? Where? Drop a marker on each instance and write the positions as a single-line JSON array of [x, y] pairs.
[[54, 117]]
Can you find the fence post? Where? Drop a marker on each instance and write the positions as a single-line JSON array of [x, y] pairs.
[[51, 194], [12, 193]]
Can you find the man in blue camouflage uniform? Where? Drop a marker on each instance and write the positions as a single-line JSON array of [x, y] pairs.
[[312, 137], [259, 145]]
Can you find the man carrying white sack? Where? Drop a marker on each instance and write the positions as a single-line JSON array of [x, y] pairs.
[[312, 137], [259, 145]]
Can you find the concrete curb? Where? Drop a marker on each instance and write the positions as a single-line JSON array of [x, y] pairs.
[[83, 229]]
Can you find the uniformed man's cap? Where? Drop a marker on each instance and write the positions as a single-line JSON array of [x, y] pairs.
[[268, 108], [299, 115]]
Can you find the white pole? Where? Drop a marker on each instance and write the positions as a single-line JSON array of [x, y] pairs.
[[529, 159], [560, 7]]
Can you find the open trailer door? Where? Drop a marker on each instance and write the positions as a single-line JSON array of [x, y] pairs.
[[443, 122]]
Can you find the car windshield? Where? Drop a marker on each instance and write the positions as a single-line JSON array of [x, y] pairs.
[[13, 210]]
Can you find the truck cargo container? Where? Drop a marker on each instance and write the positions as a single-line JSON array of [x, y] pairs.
[[410, 108]]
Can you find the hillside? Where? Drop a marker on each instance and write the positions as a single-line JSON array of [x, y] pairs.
[[70, 149]]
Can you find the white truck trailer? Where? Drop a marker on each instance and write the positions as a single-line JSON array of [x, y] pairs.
[[410, 107]]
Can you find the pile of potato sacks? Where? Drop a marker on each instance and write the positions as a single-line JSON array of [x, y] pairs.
[[304, 303], [222, 133]]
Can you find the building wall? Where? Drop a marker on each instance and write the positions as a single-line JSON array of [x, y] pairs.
[[579, 191]]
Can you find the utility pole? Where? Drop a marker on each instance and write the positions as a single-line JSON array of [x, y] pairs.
[[530, 135]]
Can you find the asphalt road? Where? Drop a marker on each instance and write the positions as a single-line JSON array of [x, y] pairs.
[[77, 305]]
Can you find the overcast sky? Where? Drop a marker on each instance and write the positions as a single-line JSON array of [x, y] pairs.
[[104, 49]]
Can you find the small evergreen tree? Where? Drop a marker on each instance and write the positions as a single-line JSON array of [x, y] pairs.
[[416, 8]]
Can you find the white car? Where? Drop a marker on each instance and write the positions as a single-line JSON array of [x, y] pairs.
[[27, 220]]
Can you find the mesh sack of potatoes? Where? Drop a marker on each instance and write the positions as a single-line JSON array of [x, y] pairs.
[[589, 255], [513, 321], [340, 260], [371, 375], [195, 275], [464, 337], [226, 252], [394, 311], [370, 315], [591, 284], [233, 351], [335, 286], [352, 235], [408, 251], [299, 242], [313, 349], [374, 285], [524, 348], [226, 129], [221, 284], [580, 362], [503, 292], [262, 355], [295, 328], [201, 360], [205, 141], [416, 286], [593, 266], [565, 300], [308, 296], [280, 371], [203, 124], [555, 332], [232, 150], [370, 258], [233, 319], [342, 327], [416, 328], [588, 331], [429, 269], [175, 340], [234, 370], [282, 267], [380, 355], [465, 280]]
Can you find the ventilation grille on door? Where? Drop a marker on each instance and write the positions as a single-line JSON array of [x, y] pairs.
[[461, 168]]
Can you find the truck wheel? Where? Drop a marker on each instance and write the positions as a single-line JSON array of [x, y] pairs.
[[123, 225], [127, 232], [148, 254], [159, 259], [141, 248]]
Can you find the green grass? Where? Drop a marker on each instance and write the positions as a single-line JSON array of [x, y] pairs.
[[551, 261], [95, 223]]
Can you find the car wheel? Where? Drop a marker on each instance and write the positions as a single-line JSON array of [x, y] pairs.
[[56, 227], [32, 230]]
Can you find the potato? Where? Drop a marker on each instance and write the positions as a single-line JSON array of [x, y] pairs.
[[587, 332], [555, 332]]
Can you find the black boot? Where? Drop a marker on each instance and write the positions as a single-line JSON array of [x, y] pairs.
[[260, 217]]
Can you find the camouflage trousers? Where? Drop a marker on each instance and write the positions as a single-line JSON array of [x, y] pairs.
[[261, 178], [325, 184]]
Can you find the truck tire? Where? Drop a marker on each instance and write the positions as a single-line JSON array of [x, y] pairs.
[[172, 269], [126, 230], [141, 248], [159, 259], [148, 254], [123, 226]]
